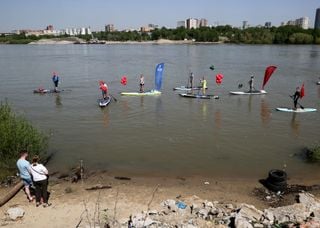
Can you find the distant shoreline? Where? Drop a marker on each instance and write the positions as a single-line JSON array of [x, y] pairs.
[[82, 42]]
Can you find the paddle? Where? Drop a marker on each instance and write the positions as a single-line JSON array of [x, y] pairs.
[[113, 98], [297, 102]]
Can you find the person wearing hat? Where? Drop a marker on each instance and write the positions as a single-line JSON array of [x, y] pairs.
[[251, 84], [55, 79], [104, 89]]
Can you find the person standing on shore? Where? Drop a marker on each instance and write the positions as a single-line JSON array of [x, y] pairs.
[[251, 84], [104, 89], [24, 173], [55, 79], [141, 83], [40, 179]]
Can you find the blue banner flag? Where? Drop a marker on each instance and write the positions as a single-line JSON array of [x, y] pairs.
[[158, 76]]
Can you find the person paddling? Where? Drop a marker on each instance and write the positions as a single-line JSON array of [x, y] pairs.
[[296, 97], [141, 83], [203, 83], [251, 84], [191, 78], [104, 88], [55, 79]]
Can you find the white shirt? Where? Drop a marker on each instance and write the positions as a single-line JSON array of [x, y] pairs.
[[39, 172]]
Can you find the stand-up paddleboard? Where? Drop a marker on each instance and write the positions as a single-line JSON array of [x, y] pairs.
[[257, 92], [104, 102], [148, 93], [185, 88], [42, 91], [298, 110], [157, 82], [199, 96]]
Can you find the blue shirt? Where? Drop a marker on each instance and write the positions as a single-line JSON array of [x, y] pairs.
[[23, 166], [55, 78]]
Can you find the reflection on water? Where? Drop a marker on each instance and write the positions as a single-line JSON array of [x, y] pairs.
[[295, 125], [58, 100], [265, 112], [250, 103], [204, 110], [141, 101], [105, 112], [217, 119]]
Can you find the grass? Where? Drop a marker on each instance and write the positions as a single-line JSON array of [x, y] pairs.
[[313, 153]]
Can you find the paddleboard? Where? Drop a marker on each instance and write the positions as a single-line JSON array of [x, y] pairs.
[[45, 91], [184, 88], [199, 96], [298, 110], [104, 102], [257, 92], [148, 93]]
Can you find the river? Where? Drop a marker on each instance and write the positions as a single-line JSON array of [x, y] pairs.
[[234, 136]]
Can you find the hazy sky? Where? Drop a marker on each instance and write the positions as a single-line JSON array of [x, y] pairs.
[[36, 14]]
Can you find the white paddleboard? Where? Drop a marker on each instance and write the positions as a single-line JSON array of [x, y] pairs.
[[298, 110], [257, 92], [199, 96], [184, 88], [149, 93]]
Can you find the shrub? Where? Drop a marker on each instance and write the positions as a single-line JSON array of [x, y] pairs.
[[313, 153], [16, 134]]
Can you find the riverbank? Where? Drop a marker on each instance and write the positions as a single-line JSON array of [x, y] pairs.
[[123, 197]]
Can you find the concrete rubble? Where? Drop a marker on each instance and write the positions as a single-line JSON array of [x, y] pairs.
[[15, 213], [199, 213]]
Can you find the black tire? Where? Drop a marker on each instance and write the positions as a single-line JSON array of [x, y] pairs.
[[275, 188], [276, 176], [278, 183]]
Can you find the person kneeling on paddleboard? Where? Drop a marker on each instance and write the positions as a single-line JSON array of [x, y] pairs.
[[55, 79], [104, 89], [251, 84], [141, 83], [296, 97]]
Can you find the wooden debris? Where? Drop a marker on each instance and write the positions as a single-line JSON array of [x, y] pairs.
[[122, 178], [98, 187]]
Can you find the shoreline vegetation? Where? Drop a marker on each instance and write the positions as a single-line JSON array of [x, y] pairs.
[[206, 35]]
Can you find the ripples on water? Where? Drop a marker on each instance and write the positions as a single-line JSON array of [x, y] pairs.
[[233, 136]]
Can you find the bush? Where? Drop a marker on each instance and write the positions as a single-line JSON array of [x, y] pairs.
[[17, 134], [313, 153]]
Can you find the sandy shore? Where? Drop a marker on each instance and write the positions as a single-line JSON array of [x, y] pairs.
[[69, 200]]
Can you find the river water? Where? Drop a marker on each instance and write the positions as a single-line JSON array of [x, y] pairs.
[[235, 136]]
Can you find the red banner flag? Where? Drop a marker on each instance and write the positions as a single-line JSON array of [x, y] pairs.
[[302, 91], [267, 75], [123, 80], [219, 78]]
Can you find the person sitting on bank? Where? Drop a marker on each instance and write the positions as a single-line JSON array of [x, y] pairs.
[[55, 79], [40, 179], [24, 173], [296, 97], [251, 84], [104, 89], [141, 83]]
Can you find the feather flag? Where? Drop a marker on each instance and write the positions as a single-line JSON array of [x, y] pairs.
[[302, 93], [267, 75]]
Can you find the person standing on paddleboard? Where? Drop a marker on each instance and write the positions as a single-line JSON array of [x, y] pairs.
[[296, 97], [55, 79], [191, 78], [104, 89], [141, 83], [251, 84], [203, 83]]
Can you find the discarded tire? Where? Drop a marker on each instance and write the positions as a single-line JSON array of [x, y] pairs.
[[276, 176], [276, 187]]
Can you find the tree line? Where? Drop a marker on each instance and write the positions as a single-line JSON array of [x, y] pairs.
[[227, 34]]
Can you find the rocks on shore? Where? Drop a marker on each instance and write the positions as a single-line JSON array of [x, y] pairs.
[[15, 213], [199, 213]]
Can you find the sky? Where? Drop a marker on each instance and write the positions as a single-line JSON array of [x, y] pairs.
[[125, 14]]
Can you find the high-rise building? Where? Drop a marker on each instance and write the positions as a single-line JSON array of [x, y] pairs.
[[203, 22], [181, 24], [192, 23], [49, 27], [267, 24], [245, 25], [317, 19], [302, 22], [109, 28]]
